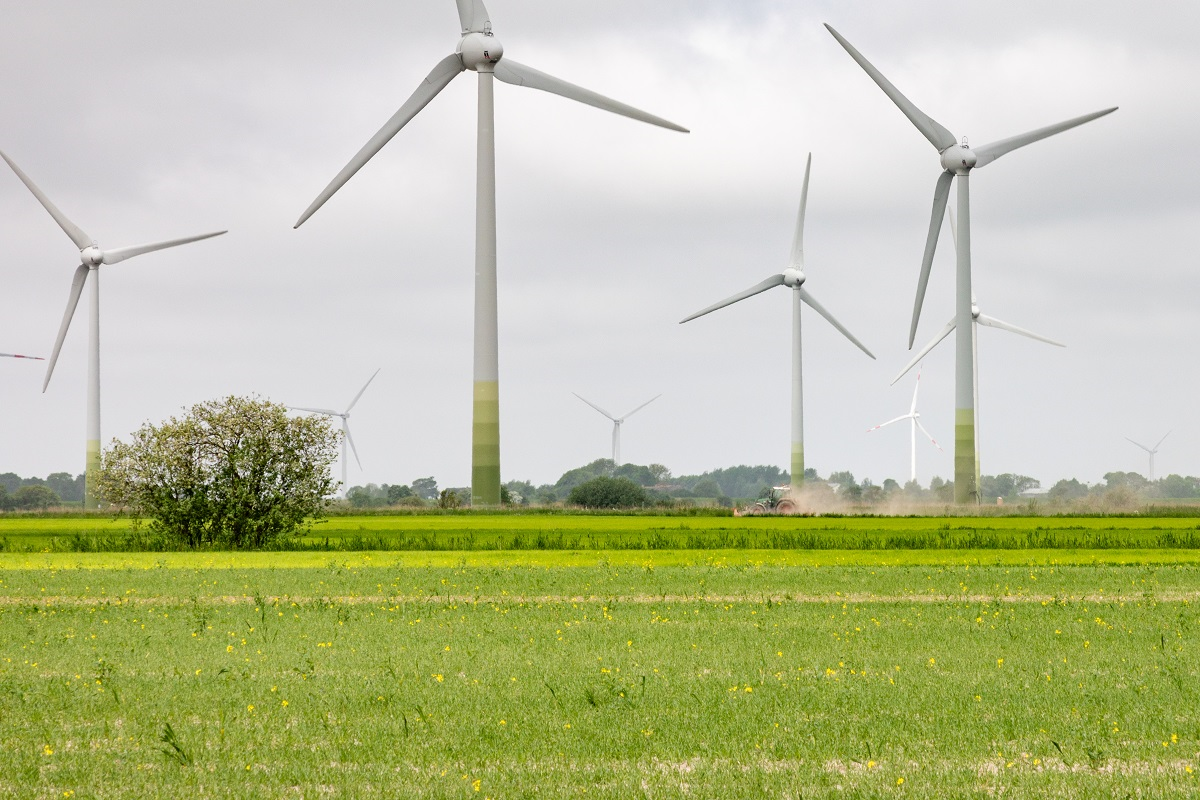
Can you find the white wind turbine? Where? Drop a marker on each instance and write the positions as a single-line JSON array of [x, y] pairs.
[[977, 318], [914, 417], [345, 418], [1150, 450], [793, 277], [480, 51], [91, 259], [617, 421], [957, 161]]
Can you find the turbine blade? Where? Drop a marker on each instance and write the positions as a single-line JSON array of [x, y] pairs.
[[913, 408], [77, 282], [121, 253], [438, 78], [992, 322], [927, 434], [1160, 441], [942, 334], [889, 422], [360, 391], [520, 75], [15, 355], [941, 193], [937, 135], [473, 16], [350, 439], [769, 283], [329, 412], [798, 242], [954, 234], [639, 408], [1139, 444], [80, 238], [990, 152], [593, 405], [820, 309]]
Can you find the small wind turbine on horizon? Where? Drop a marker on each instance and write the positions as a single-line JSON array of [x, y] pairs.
[[617, 421], [793, 277], [914, 417], [91, 259], [957, 160], [344, 416], [1150, 450], [478, 50]]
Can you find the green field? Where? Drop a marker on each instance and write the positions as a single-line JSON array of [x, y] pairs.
[[478, 532], [501, 674]]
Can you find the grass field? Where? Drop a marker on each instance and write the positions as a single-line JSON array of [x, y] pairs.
[[476, 532], [617, 674]]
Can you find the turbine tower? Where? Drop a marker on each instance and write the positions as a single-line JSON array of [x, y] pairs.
[[480, 51], [345, 418], [977, 318], [957, 161], [1151, 451], [793, 277], [91, 258], [914, 417], [616, 421]]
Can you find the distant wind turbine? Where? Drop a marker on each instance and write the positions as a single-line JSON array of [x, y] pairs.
[[914, 417], [1150, 450], [956, 161], [616, 421], [91, 259], [480, 51], [793, 277], [977, 318], [345, 418]]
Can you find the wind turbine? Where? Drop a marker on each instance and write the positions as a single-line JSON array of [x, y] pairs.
[[480, 51], [957, 160], [793, 277], [1151, 451], [345, 417], [914, 417], [616, 421], [977, 318], [91, 258]]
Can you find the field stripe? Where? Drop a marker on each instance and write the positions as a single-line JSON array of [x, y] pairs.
[[857, 598], [596, 558]]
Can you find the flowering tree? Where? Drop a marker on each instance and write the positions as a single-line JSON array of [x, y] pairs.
[[237, 472]]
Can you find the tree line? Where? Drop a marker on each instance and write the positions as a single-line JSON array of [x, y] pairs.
[[31, 494]]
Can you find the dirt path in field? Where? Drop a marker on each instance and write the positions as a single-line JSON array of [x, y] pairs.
[[857, 598]]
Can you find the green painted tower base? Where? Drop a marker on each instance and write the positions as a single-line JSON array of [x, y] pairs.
[[797, 466], [485, 445], [91, 474], [965, 487]]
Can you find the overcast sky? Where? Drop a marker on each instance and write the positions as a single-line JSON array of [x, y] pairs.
[[151, 120]]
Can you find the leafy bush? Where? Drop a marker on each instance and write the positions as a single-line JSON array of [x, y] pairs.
[[605, 492], [236, 473], [29, 498]]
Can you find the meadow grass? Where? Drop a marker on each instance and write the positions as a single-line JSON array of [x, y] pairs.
[[474, 532], [622, 674]]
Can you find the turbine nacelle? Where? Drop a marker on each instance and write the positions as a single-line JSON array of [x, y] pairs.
[[793, 278], [479, 49], [91, 257], [958, 158]]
